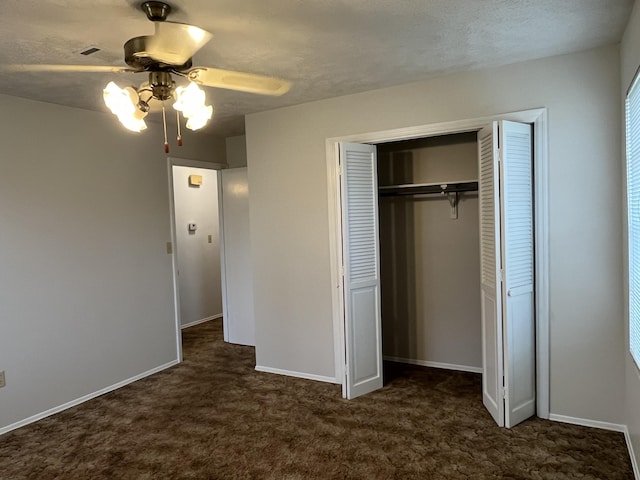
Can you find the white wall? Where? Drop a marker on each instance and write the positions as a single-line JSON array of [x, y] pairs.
[[198, 257], [630, 59], [429, 262], [85, 281], [289, 213], [236, 151], [239, 322]]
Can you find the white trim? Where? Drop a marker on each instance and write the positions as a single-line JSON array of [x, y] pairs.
[[223, 262], [85, 398], [585, 422], [541, 232], [427, 363], [539, 118], [202, 320], [186, 162], [174, 259], [289, 373], [632, 455]]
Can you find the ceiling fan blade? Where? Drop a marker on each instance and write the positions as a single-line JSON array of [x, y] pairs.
[[175, 43], [244, 82], [65, 68]]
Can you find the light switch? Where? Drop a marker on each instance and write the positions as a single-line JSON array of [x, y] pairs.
[[209, 239]]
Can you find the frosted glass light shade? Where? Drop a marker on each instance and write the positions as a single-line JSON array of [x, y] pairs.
[[123, 102], [199, 118], [190, 101]]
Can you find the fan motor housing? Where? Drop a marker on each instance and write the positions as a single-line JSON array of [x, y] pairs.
[[136, 56]]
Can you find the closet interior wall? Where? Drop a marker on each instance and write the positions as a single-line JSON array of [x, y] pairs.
[[430, 262]]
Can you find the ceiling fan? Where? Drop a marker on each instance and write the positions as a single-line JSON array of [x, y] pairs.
[[168, 51]]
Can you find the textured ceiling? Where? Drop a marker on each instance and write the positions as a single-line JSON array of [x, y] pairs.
[[327, 48]]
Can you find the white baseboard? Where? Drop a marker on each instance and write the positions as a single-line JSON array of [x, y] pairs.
[[425, 363], [198, 322], [632, 455], [289, 373], [78, 401], [585, 422]]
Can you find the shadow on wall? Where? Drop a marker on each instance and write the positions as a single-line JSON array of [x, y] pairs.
[[397, 257]]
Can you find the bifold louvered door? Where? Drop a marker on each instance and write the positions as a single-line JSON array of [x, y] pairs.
[[490, 284], [363, 340], [507, 271], [517, 263]]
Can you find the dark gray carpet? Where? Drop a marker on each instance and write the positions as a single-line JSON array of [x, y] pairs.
[[214, 417]]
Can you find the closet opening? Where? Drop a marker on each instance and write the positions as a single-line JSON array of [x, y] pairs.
[[382, 177], [430, 252]]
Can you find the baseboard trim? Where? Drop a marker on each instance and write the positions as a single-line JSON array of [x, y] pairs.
[[632, 455], [289, 373], [85, 398], [585, 422], [202, 320], [425, 363]]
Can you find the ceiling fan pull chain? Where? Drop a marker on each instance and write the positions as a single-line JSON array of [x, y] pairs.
[[179, 134], [164, 126]]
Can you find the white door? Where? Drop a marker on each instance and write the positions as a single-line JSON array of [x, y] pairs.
[[237, 274], [361, 283], [506, 242], [490, 284], [517, 262]]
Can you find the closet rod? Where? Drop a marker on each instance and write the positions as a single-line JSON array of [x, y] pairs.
[[427, 188]]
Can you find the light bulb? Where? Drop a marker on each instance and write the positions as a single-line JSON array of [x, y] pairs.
[[199, 118], [189, 98], [190, 101], [123, 102]]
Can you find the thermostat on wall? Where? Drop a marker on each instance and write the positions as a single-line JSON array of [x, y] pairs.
[[193, 227]]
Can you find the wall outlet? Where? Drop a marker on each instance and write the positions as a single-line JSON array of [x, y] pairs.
[[2, 380]]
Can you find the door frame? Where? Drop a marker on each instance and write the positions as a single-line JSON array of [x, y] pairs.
[[184, 162], [539, 119]]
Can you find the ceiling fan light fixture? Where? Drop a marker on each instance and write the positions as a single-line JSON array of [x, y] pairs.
[[190, 101], [134, 122], [123, 103], [199, 118]]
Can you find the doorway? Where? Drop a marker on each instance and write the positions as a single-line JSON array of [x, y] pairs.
[[430, 252], [537, 118], [197, 248], [192, 231], [233, 264]]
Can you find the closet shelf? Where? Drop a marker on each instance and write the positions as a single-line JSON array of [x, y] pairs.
[[428, 188]]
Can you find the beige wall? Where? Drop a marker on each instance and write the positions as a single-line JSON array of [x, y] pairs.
[[429, 262], [85, 281], [289, 213], [630, 58]]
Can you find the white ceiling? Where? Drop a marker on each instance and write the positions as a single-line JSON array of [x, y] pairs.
[[327, 48]]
